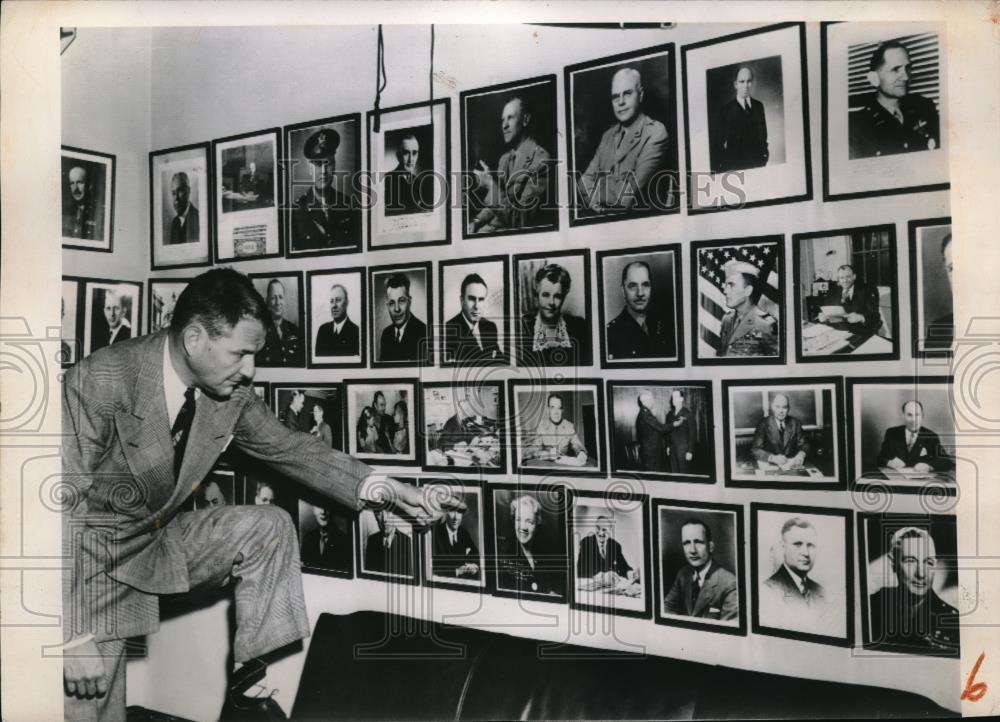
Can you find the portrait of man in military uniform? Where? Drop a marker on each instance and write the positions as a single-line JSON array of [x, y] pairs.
[[86, 200], [284, 344]]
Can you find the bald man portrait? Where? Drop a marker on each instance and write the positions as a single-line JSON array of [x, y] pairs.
[[339, 336]]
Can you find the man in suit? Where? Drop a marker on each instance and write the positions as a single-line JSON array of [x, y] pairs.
[[79, 211], [407, 188], [940, 333], [790, 584], [515, 199], [601, 554], [913, 445], [746, 330], [185, 226], [893, 120], [779, 438], [629, 154], [384, 423], [471, 338], [525, 562], [293, 414], [640, 331], [389, 550], [860, 302], [322, 216], [740, 132], [651, 434], [143, 422], [283, 342], [339, 336], [116, 328], [453, 552], [405, 339], [703, 588], [326, 546]]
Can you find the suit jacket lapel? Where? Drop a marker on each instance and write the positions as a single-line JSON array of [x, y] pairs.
[[211, 427], [631, 139]]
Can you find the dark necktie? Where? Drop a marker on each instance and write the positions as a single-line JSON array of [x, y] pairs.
[[781, 429], [181, 428], [695, 589]]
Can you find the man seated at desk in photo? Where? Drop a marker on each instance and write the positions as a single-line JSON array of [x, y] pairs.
[[779, 438], [851, 305], [913, 447], [555, 439], [601, 564]]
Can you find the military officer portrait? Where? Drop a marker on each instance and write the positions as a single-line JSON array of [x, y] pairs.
[[87, 198], [509, 157], [284, 344], [640, 307], [325, 211]]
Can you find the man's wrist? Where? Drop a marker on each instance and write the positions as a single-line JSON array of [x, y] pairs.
[[78, 642]]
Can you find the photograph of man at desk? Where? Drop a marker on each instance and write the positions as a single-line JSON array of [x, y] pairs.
[[558, 429], [846, 284]]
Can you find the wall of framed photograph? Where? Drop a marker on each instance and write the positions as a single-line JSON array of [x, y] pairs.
[[180, 207]]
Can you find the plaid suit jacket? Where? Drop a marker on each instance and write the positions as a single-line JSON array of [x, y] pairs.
[[120, 494]]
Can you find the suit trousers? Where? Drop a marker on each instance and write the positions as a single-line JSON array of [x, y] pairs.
[[253, 546]]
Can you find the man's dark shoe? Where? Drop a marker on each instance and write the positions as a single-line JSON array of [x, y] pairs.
[[238, 707]]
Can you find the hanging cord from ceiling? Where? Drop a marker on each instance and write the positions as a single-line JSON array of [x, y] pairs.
[[430, 80], [381, 80]]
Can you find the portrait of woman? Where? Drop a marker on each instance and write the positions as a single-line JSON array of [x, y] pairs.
[[550, 334], [367, 431], [319, 427], [679, 433]]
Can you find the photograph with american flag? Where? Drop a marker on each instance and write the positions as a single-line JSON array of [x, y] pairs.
[[739, 300]]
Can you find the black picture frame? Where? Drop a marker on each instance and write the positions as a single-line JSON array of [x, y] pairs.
[[424, 356], [411, 386], [263, 391], [431, 460], [71, 338], [797, 241], [922, 332], [367, 519], [690, 508], [314, 327], [88, 287], [161, 306], [345, 523], [262, 360], [466, 488], [334, 419], [447, 356], [172, 160], [103, 185]]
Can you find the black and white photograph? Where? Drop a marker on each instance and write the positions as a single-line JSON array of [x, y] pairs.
[[610, 569], [557, 428], [263, 391], [387, 547], [400, 315], [163, 295], [463, 427], [87, 183], [661, 430], [247, 196], [258, 485], [337, 329], [700, 574], [909, 584], [784, 435], [552, 304], [621, 117], [325, 205], [315, 409], [738, 301], [454, 550], [180, 207], [746, 119], [284, 340], [112, 312], [326, 537], [69, 347], [410, 163], [381, 421], [641, 307], [528, 524], [885, 92], [931, 293], [509, 158], [475, 310], [802, 581], [218, 488], [846, 295], [902, 433]]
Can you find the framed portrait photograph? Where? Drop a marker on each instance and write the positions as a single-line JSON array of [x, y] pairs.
[[463, 427], [400, 303], [387, 547], [621, 121], [885, 100], [552, 304], [509, 157], [248, 196], [409, 158], [557, 428], [662, 430], [69, 347], [88, 199], [316, 409], [258, 485], [909, 583], [642, 319], [746, 119], [263, 391], [784, 435], [802, 579], [700, 575], [163, 295], [846, 295], [381, 421], [337, 329], [284, 341], [473, 298], [902, 434], [326, 537], [609, 535], [931, 294], [180, 207], [323, 160], [218, 488], [528, 530], [454, 549], [738, 301], [112, 312]]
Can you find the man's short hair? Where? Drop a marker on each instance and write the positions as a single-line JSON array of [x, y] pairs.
[[945, 242], [847, 267], [296, 393], [796, 521], [632, 74], [263, 485], [399, 148], [554, 273], [778, 396], [604, 516], [878, 57], [218, 299], [643, 264], [525, 108], [692, 521], [470, 279], [375, 397], [398, 280], [907, 532], [182, 178], [554, 395], [531, 501], [911, 401], [741, 69], [272, 282]]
